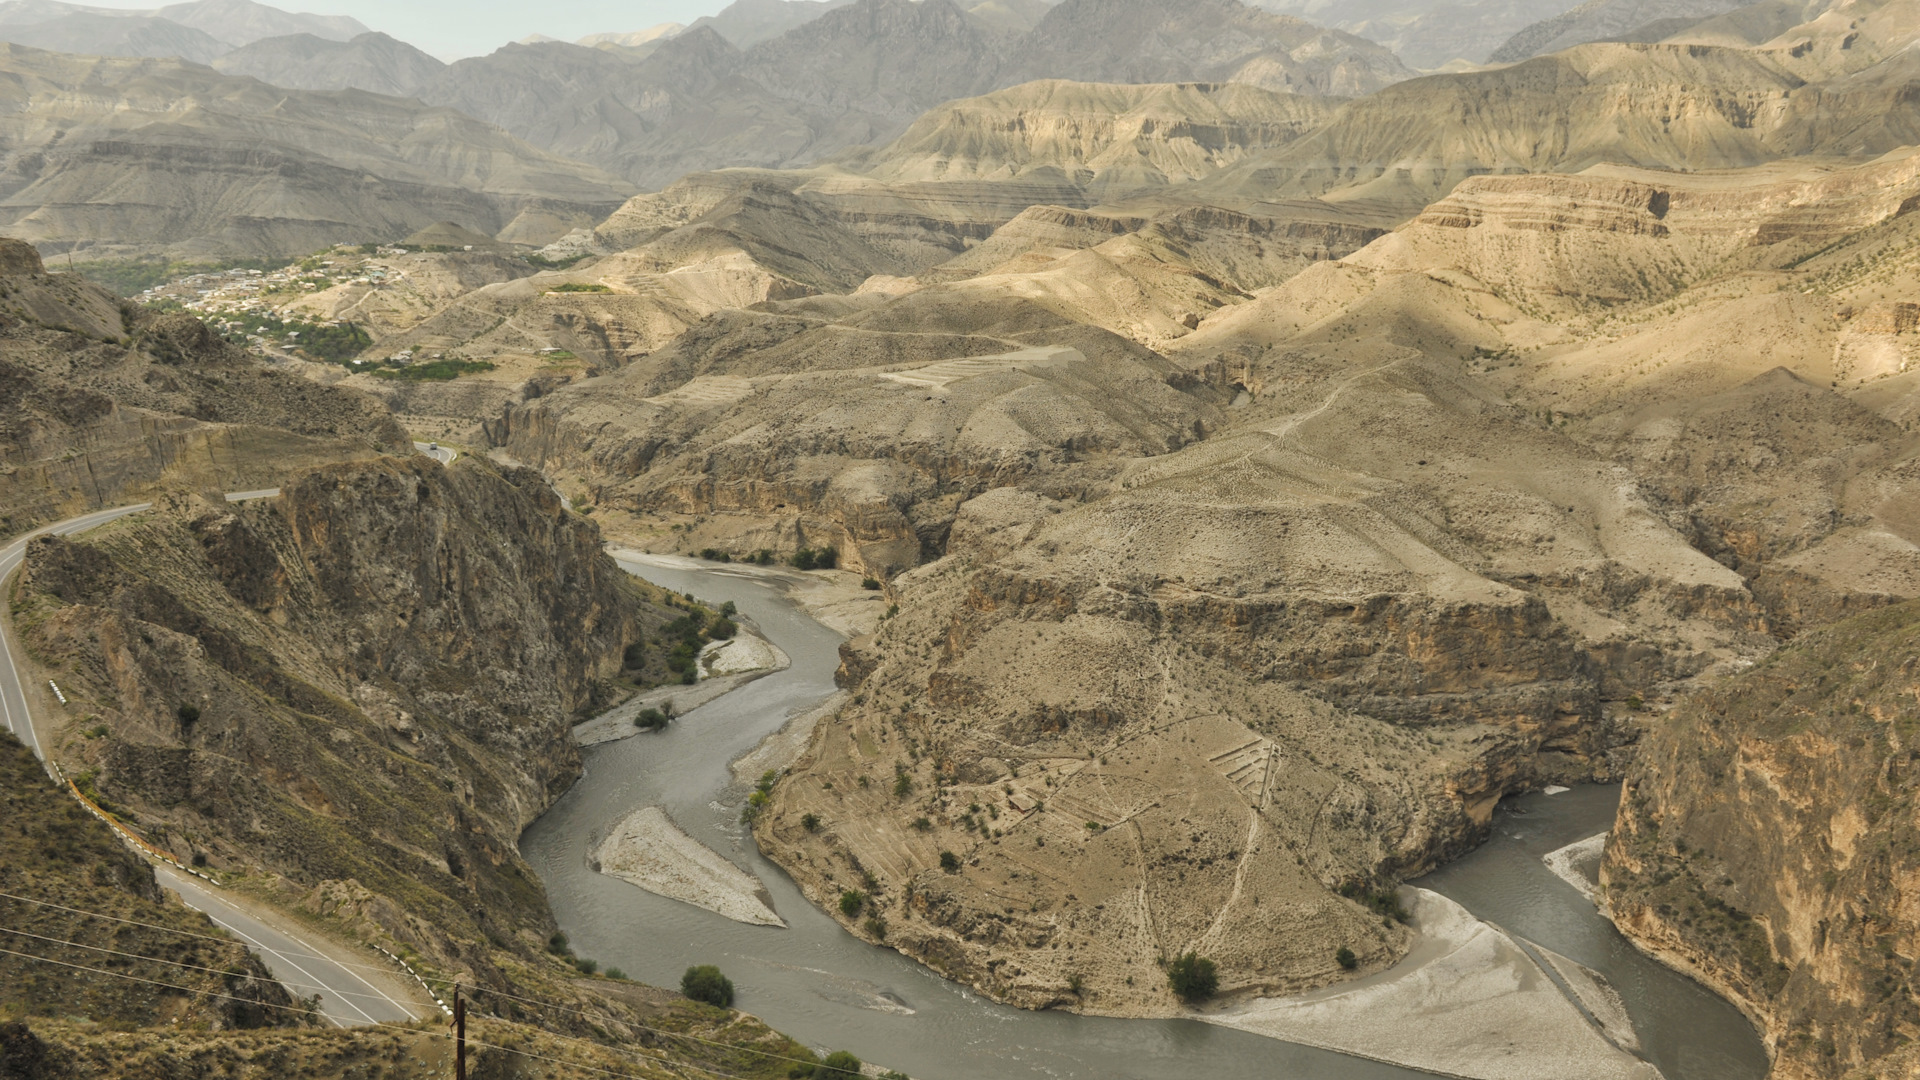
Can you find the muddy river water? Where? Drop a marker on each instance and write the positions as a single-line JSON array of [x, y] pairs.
[[817, 983]]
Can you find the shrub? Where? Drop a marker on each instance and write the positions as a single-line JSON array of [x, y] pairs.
[[703, 982], [814, 559], [949, 862], [722, 628], [1193, 978], [851, 901], [616, 973], [870, 584], [434, 370], [839, 1064], [1384, 902], [577, 287], [902, 786], [650, 719], [810, 822], [587, 967], [188, 714], [557, 944], [876, 926], [1345, 958], [923, 824]]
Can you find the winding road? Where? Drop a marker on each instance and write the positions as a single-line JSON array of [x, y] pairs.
[[352, 991]]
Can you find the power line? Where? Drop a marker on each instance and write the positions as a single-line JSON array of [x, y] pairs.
[[188, 933], [638, 1026], [638, 1054], [444, 982], [190, 967], [425, 1031], [155, 982]]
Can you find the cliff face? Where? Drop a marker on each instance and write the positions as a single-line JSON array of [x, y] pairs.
[[1768, 840], [101, 403], [363, 686]]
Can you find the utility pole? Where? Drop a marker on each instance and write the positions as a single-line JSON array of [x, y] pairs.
[[459, 1035]]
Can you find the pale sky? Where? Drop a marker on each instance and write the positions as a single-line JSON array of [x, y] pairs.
[[451, 29]]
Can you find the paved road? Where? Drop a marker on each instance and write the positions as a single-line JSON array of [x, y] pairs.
[[259, 493], [437, 452], [346, 997]]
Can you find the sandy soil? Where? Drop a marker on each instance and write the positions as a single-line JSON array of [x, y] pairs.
[[784, 747], [647, 849], [742, 653], [1572, 862], [1468, 1001]]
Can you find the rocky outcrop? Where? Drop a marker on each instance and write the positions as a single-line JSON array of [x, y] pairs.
[[364, 685], [1766, 843], [1551, 204]]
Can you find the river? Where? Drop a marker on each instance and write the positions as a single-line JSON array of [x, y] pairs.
[[828, 989]]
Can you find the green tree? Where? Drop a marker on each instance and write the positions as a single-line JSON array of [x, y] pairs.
[[1345, 958], [949, 862], [838, 1064], [851, 901], [1193, 978], [703, 982]]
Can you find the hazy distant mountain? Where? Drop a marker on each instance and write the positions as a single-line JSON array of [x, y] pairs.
[[1135, 41], [93, 34], [749, 22], [200, 31], [120, 167], [373, 62], [242, 22], [1608, 20], [1427, 33], [859, 74], [231, 22], [1012, 16], [633, 38]]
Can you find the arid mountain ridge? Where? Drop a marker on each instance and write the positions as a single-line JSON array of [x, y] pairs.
[[1403, 513], [1270, 483]]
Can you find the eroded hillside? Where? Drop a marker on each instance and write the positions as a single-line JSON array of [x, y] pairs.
[[1247, 552]]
